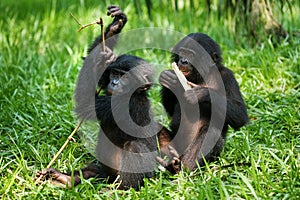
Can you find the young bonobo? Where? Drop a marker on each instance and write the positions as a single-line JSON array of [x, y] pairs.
[[122, 150], [205, 89], [125, 150]]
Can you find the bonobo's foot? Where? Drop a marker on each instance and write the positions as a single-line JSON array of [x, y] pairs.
[[56, 177], [174, 165]]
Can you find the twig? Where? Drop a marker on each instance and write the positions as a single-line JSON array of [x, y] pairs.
[[84, 26], [100, 22], [76, 20], [65, 144], [61, 149], [102, 32]]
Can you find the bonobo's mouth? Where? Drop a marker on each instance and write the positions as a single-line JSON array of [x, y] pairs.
[[186, 70], [109, 92]]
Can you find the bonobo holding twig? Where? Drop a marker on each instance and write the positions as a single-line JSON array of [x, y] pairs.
[[127, 153], [229, 107]]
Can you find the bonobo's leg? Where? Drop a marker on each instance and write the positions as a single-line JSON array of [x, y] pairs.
[[198, 151], [136, 166], [57, 177], [191, 155]]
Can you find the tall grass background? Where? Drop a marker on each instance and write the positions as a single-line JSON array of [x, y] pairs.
[[41, 55]]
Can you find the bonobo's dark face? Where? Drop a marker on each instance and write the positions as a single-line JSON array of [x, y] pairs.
[[119, 82], [115, 81], [184, 62]]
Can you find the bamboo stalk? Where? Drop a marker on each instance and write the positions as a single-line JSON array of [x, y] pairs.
[[181, 77]]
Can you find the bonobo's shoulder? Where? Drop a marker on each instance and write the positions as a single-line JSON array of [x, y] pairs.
[[225, 71], [227, 75]]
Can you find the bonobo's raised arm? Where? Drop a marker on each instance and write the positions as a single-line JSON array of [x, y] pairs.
[[113, 28], [94, 63]]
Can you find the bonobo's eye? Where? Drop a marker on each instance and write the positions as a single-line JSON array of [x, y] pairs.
[[117, 73], [113, 72], [124, 77], [114, 76], [186, 53]]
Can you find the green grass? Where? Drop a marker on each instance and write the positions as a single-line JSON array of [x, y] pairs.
[[40, 57]]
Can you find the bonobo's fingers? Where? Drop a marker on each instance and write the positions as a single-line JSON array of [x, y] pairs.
[[109, 56], [44, 174], [40, 175], [170, 75], [59, 177], [106, 56], [192, 84], [114, 11], [174, 166], [161, 161], [110, 59], [111, 6], [173, 151], [168, 78]]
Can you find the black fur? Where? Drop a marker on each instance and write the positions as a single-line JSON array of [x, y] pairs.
[[139, 109], [236, 112]]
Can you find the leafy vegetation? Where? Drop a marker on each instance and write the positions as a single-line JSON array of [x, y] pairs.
[[40, 59]]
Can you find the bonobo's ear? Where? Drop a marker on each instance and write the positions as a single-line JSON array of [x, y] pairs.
[[215, 57]]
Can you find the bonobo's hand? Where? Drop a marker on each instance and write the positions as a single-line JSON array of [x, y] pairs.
[[169, 79], [174, 165], [105, 57], [119, 21], [109, 56], [196, 95]]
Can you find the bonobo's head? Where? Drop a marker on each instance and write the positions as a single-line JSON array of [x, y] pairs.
[[187, 49], [127, 73]]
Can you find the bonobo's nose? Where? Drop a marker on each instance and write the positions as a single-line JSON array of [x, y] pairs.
[[115, 82], [184, 61]]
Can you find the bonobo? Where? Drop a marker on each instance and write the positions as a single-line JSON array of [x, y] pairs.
[[228, 107], [127, 153], [123, 152]]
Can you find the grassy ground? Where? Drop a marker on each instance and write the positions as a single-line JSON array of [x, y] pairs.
[[40, 57]]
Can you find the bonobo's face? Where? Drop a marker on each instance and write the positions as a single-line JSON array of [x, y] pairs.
[[119, 82], [185, 58], [115, 81]]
